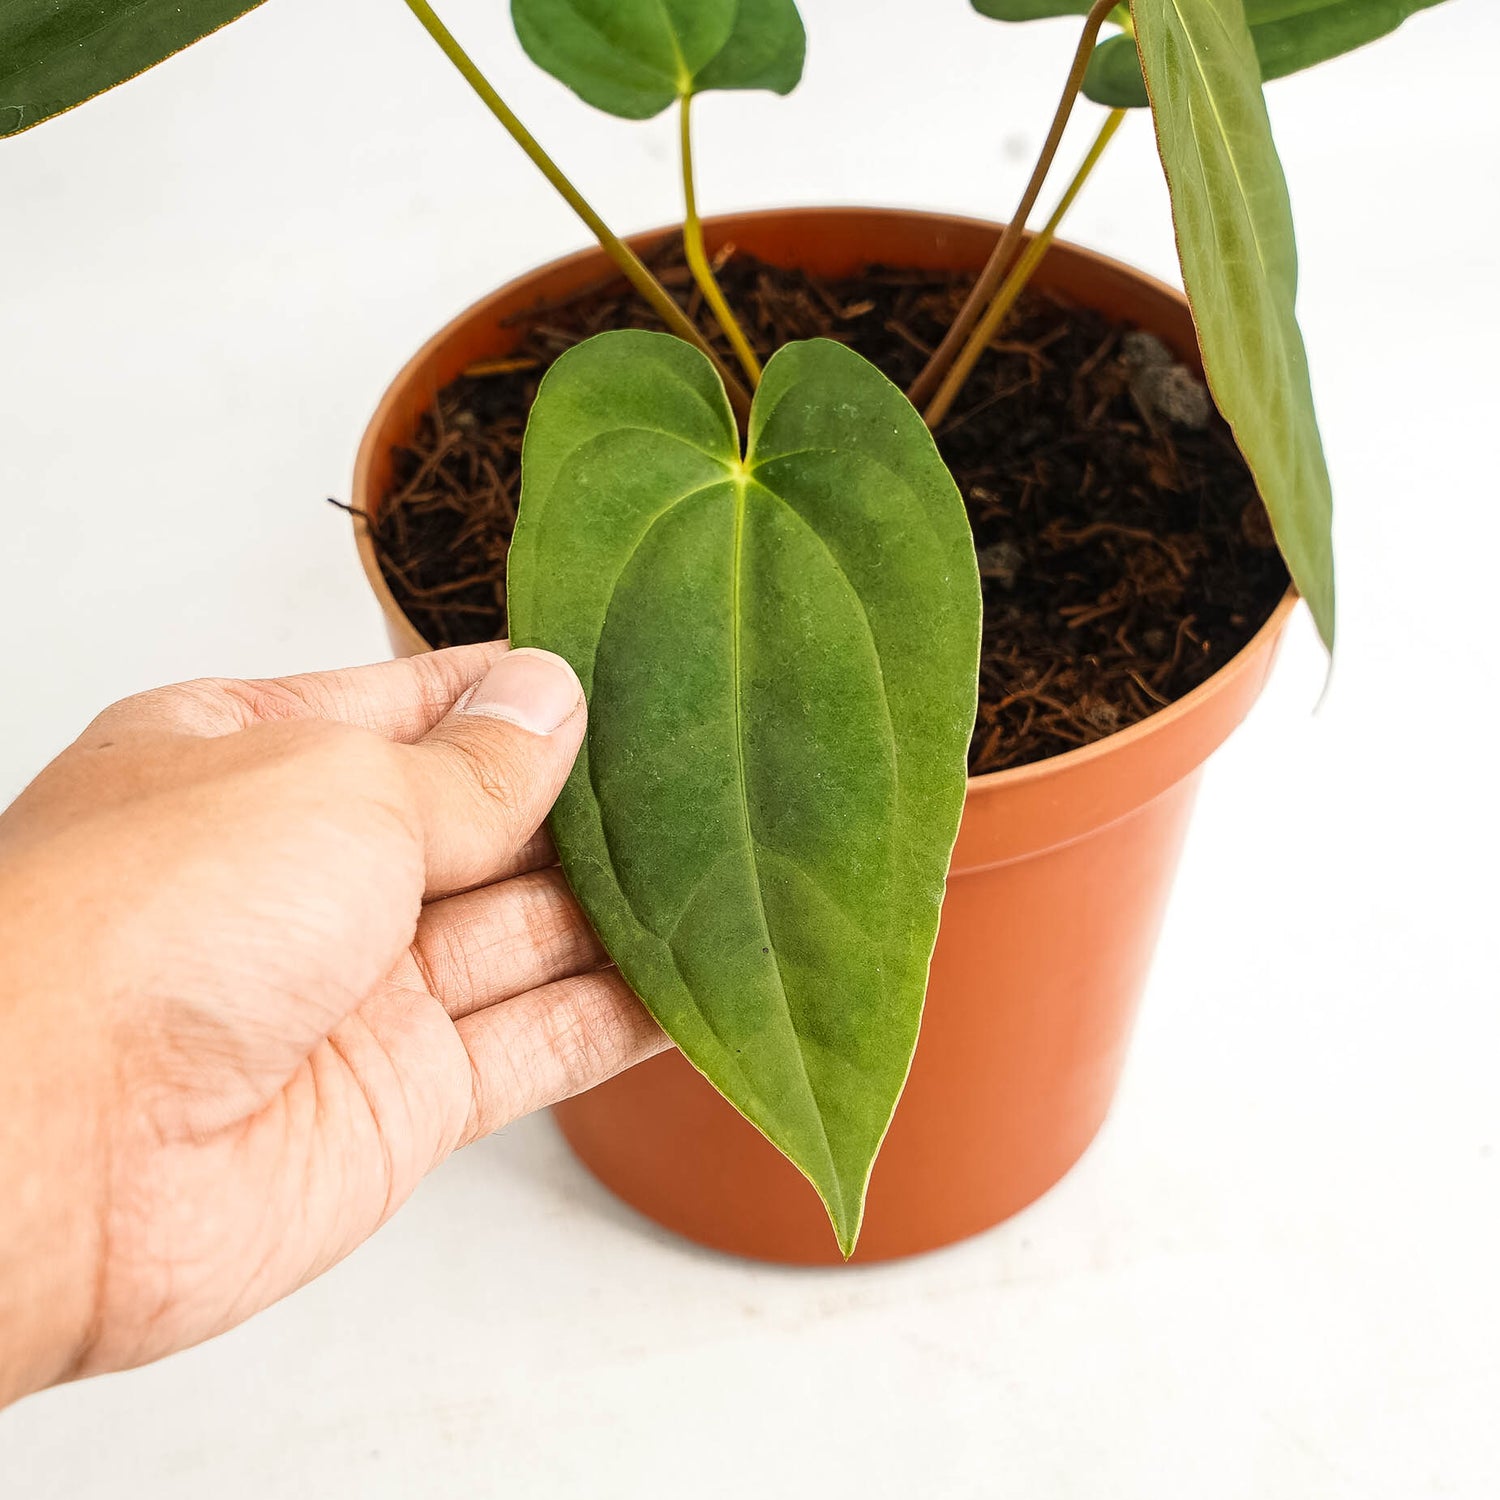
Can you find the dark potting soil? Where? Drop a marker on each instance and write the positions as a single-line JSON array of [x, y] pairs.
[[1123, 550]]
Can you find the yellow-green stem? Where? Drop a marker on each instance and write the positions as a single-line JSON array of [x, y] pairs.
[[1008, 248], [1015, 282], [697, 257], [618, 251]]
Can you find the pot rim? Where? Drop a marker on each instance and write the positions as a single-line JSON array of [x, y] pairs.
[[1033, 772]]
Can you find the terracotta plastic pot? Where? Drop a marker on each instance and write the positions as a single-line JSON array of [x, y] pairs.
[[1057, 887]]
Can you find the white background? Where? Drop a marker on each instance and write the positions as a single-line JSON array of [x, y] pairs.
[[1274, 1276]]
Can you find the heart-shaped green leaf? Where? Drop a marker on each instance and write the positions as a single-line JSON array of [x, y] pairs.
[[781, 657], [635, 57], [57, 53], [1239, 265], [1289, 35]]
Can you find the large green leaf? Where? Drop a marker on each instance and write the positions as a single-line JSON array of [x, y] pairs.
[[57, 53], [781, 658], [1289, 35], [635, 57], [1239, 265]]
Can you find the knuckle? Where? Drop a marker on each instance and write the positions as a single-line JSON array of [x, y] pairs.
[[551, 917], [198, 705], [449, 965], [591, 1038], [267, 701], [491, 770], [211, 706], [427, 954]]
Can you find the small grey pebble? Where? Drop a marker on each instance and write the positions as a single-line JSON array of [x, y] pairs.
[[1174, 392], [1144, 351]]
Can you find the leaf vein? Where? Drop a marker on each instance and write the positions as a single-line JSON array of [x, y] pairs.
[[1208, 93]]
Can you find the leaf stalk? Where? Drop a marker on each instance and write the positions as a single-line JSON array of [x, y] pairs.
[[628, 262], [1008, 249], [697, 256], [1015, 283]]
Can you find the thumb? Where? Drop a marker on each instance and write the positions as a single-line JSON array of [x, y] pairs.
[[487, 775]]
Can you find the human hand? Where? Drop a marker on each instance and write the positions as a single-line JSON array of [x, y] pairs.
[[271, 951]]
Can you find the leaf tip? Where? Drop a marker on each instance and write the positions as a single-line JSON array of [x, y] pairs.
[[847, 1237], [846, 1215]]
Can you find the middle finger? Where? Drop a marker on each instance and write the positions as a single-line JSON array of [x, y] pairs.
[[491, 944]]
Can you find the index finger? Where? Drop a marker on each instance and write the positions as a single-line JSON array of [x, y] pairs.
[[401, 700]]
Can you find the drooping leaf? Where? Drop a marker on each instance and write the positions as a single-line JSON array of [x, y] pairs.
[[1289, 35], [1239, 264], [633, 58], [57, 53], [781, 657]]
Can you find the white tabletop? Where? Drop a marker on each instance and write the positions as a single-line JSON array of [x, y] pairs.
[[1273, 1276]]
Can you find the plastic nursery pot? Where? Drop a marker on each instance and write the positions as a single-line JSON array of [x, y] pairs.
[[1057, 887]]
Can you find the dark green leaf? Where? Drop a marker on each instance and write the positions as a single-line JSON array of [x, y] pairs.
[[1239, 264], [1289, 35], [1114, 75], [765, 50], [1031, 10], [781, 660], [1294, 34], [57, 53], [635, 57]]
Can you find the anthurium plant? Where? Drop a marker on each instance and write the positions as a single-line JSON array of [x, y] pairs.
[[765, 576]]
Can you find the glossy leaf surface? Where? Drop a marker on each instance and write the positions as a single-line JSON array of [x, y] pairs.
[[635, 57], [781, 659], [1239, 265], [57, 53]]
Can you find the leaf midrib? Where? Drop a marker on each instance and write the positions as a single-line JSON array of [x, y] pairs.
[[734, 474], [684, 80], [741, 481], [1208, 93]]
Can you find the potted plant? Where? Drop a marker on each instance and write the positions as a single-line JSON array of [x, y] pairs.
[[786, 583]]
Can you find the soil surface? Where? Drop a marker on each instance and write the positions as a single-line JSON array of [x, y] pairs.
[[1123, 550]]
